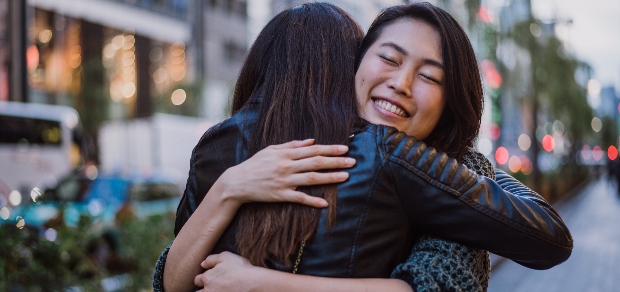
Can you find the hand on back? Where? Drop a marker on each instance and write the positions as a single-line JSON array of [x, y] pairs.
[[274, 173]]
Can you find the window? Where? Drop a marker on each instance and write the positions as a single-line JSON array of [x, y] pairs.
[[16, 130], [233, 51]]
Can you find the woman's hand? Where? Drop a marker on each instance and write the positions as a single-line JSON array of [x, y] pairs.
[[227, 272], [274, 173]]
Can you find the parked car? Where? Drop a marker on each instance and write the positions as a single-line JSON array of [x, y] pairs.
[[101, 198]]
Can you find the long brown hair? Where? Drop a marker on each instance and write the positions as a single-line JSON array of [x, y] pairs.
[[302, 68], [459, 124]]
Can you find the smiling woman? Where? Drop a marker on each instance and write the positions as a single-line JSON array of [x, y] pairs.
[[399, 80]]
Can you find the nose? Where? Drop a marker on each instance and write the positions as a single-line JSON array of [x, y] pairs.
[[401, 82]]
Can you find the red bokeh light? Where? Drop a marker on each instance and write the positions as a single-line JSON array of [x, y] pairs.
[[526, 165], [548, 143], [484, 15], [495, 131], [597, 153], [491, 75], [32, 58], [501, 155], [612, 152]]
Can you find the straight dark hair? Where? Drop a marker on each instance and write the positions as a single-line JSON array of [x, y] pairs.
[[460, 120], [301, 66]]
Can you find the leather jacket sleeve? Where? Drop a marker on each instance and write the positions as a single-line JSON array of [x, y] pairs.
[[214, 153], [461, 206], [436, 264]]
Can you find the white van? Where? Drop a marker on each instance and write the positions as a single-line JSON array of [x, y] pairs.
[[36, 147]]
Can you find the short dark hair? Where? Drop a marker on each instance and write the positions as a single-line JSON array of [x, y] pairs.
[[302, 66], [460, 120]]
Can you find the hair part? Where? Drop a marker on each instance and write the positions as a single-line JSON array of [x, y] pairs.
[[460, 120], [302, 66]]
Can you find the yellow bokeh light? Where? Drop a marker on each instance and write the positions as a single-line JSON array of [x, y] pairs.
[[514, 164], [119, 41], [129, 42], [129, 89], [45, 36], [178, 97]]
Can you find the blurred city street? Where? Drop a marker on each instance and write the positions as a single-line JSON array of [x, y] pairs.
[[102, 103], [592, 215]]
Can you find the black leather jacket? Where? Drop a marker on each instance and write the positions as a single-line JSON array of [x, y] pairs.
[[398, 190]]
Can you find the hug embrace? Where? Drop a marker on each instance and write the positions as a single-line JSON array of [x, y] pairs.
[[347, 165]]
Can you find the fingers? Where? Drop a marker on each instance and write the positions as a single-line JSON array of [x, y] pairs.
[[316, 150], [211, 261], [293, 144], [198, 280], [317, 178], [305, 199], [321, 163]]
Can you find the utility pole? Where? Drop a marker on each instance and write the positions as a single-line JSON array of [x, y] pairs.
[[18, 72]]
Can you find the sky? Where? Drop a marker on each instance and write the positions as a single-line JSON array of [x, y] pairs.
[[594, 34]]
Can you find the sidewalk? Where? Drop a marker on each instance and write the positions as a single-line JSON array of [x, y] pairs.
[[593, 217]]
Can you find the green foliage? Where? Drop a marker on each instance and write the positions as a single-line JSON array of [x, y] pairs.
[[84, 255]]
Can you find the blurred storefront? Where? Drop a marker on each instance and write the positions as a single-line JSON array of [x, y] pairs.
[[119, 59]]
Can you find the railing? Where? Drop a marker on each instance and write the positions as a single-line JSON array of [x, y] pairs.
[[172, 8]]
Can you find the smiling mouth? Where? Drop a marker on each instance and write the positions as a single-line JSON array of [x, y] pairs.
[[390, 107]]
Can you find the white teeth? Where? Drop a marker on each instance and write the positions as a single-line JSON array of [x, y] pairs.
[[390, 107]]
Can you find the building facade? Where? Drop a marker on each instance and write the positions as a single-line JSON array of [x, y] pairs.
[[128, 58]]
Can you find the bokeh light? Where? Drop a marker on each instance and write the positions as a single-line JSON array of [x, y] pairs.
[[484, 14], [526, 165], [129, 89], [92, 172], [495, 131], [594, 88], [45, 36], [514, 164], [51, 234], [524, 142], [586, 152], [558, 127], [178, 97], [20, 222], [5, 213], [612, 152], [501, 155], [548, 143], [535, 29], [15, 198], [597, 125], [35, 194], [491, 74], [597, 153], [32, 58]]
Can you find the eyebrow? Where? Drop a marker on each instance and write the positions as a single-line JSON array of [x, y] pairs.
[[401, 50]]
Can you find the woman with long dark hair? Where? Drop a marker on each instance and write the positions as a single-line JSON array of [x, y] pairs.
[[399, 188]]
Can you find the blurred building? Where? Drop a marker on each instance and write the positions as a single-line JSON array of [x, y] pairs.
[[129, 57], [363, 11], [609, 102]]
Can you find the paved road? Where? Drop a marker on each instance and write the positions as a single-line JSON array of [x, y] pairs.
[[593, 216]]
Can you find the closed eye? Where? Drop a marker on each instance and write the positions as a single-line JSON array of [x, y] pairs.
[[430, 78], [388, 60]]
